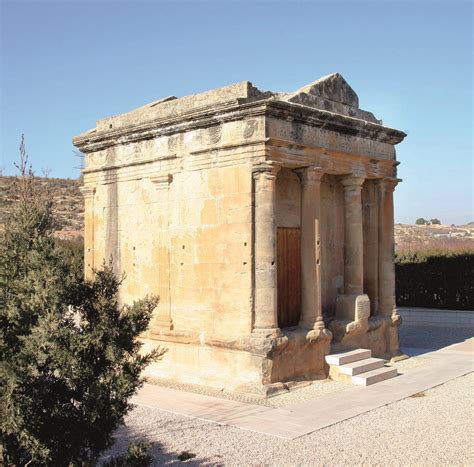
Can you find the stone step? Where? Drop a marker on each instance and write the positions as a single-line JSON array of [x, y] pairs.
[[374, 376], [348, 357], [361, 366]]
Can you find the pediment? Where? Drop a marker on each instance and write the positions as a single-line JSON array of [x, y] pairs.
[[332, 87]]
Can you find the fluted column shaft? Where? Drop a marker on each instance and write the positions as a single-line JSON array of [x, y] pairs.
[[265, 294], [387, 302], [311, 314], [353, 236]]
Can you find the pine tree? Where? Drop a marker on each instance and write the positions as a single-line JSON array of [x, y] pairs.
[[69, 357]]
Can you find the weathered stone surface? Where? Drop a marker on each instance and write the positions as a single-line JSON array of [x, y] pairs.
[[188, 197], [331, 93], [333, 87]]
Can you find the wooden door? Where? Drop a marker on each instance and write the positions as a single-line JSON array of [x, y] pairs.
[[288, 276]]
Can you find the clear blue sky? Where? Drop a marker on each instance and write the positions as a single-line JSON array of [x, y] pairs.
[[66, 64]]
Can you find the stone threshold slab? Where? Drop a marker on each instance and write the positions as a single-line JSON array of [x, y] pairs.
[[302, 418]]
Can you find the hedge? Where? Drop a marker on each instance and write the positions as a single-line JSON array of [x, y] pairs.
[[435, 280]]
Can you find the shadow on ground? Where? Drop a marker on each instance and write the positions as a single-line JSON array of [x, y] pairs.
[[160, 456], [428, 338]]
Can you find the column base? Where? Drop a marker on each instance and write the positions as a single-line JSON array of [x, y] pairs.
[[161, 324], [267, 332], [319, 335], [378, 335]]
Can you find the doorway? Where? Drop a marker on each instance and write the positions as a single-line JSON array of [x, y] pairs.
[[288, 276]]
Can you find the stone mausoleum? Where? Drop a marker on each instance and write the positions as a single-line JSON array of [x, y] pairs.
[[263, 220]]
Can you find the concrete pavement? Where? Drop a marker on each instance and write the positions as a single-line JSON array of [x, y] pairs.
[[305, 417]]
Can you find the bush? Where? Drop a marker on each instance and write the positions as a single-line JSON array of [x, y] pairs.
[[435, 280], [137, 456], [69, 358]]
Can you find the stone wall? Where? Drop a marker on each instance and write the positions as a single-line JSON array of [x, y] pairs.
[[186, 196]]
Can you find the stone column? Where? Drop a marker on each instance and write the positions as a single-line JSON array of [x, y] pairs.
[[265, 288], [387, 305], [371, 243], [88, 192], [311, 314], [353, 236]]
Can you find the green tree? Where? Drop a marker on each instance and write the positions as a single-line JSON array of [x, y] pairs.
[[69, 358], [421, 221], [435, 221]]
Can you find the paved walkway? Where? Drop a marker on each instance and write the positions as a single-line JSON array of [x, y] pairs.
[[305, 417]]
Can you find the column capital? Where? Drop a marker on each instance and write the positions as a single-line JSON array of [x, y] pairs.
[[309, 174], [387, 184], [269, 169], [162, 181], [87, 191], [351, 181]]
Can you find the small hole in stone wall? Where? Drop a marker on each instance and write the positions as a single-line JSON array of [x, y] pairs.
[[318, 243], [317, 261], [134, 248], [88, 265], [244, 263], [133, 264], [110, 126], [184, 247], [245, 243], [88, 250], [182, 264], [273, 263]]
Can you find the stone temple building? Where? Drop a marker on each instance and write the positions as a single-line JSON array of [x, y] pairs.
[[263, 220]]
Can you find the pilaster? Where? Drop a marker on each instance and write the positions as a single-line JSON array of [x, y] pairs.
[[162, 320], [88, 192]]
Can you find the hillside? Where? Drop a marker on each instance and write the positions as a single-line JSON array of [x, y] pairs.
[[68, 204], [69, 208], [410, 237]]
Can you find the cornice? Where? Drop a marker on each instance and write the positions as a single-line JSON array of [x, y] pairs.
[[331, 121], [92, 141]]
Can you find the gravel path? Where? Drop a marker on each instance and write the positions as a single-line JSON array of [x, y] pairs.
[[433, 429]]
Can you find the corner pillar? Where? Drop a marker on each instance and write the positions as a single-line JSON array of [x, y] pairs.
[[265, 285], [89, 235]]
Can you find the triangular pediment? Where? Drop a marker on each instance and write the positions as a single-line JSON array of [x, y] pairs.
[[332, 87]]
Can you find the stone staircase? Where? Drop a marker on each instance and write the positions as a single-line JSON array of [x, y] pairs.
[[358, 367]]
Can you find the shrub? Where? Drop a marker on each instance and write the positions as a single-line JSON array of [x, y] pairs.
[[137, 456], [69, 358], [436, 279]]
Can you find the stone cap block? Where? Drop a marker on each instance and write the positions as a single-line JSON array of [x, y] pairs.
[[329, 97]]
